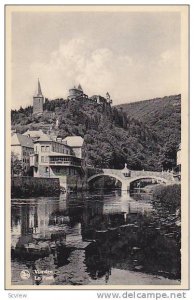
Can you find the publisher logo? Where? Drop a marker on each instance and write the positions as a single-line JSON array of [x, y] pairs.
[[25, 274]]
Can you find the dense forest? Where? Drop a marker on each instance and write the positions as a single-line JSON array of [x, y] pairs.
[[144, 134], [163, 115]]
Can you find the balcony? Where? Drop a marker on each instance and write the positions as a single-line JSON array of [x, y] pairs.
[[64, 161]]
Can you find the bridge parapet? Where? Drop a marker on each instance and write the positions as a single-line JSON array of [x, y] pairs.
[[115, 172], [166, 175]]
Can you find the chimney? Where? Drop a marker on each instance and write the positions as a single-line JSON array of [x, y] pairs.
[[59, 139]]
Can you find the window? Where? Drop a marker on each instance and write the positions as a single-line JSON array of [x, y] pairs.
[[42, 148], [42, 159], [47, 148], [46, 159]]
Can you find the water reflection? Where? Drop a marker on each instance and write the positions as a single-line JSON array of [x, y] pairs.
[[82, 238]]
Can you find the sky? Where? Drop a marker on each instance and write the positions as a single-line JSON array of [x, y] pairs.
[[132, 55]]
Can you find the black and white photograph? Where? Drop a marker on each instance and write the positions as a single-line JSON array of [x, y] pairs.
[[97, 147]]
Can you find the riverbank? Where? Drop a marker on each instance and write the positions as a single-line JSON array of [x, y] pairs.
[[168, 197], [34, 187]]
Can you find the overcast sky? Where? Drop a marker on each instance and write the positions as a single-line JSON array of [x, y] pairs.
[[133, 56]]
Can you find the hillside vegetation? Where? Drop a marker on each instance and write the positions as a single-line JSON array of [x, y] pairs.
[[163, 115], [144, 134]]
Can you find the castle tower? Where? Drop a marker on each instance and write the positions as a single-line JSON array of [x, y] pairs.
[[75, 92], [38, 101]]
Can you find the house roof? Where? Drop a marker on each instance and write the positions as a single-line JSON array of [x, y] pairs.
[[34, 133], [21, 140], [44, 138], [50, 138], [74, 141]]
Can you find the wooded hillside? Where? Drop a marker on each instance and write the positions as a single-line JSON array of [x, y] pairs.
[[144, 134]]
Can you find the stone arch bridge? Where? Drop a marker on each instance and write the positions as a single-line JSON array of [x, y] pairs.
[[163, 177]]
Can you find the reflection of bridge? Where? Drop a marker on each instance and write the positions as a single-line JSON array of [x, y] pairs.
[[160, 177]]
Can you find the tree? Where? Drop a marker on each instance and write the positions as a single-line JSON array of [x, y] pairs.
[[16, 165], [168, 155]]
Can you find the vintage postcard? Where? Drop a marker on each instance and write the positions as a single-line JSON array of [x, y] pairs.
[[97, 147]]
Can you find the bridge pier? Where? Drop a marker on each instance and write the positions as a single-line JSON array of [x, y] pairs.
[[125, 186]]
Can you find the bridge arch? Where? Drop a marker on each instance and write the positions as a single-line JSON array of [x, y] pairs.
[[148, 177], [105, 175]]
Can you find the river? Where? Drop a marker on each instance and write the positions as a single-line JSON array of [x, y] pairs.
[[97, 238]]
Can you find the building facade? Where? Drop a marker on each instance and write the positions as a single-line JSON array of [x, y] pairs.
[[55, 158], [76, 144], [22, 147]]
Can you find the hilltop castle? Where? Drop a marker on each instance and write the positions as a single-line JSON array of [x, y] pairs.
[[75, 93]]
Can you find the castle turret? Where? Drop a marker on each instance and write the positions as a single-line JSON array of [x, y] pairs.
[[108, 99], [38, 101], [80, 88], [75, 93]]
